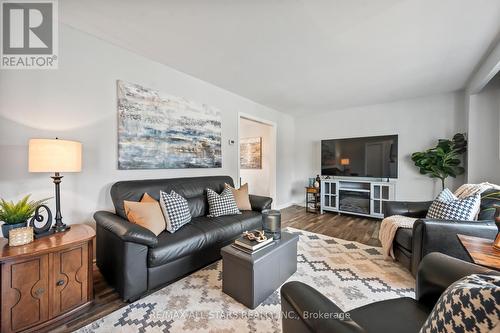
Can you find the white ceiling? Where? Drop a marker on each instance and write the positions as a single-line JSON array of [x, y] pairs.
[[301, 56]]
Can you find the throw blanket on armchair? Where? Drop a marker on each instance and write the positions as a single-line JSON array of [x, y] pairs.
[[388, 230], [467, 190], [390, 224]]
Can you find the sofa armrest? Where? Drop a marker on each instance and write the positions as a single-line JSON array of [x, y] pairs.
[[123, 229], [259, 203], [417, 209], [306, 309], [431, 235], [438, 271]]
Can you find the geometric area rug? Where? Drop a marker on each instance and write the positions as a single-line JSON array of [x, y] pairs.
[[349, 273]]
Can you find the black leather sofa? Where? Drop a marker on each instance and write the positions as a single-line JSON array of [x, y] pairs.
[[300, 303], [135, 261], [432, 235]]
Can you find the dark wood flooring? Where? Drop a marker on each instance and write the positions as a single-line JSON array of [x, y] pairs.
[[363, 230], [349, 227]]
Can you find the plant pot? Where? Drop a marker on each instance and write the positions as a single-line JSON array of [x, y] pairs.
[[8, 227]]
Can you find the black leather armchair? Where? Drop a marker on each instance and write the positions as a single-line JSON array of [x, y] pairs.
[[431, 235], [301, 304]]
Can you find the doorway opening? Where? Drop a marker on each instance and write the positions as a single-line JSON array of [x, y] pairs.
[[257, 155]]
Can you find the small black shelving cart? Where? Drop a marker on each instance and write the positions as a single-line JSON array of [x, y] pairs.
[[313, 204]]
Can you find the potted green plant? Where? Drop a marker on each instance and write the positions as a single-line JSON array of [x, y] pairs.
[[16, 215], [444, 160]]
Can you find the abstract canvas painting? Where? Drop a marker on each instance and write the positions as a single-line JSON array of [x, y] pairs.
[[159, 131], [251, 153]]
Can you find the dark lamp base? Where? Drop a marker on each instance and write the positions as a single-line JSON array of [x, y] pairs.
[[61, 228]]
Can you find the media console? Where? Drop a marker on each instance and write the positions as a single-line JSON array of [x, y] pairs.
[[358, 197]]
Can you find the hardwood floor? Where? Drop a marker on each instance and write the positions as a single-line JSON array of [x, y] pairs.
[[106, 300], [349, 227], [363, 230]]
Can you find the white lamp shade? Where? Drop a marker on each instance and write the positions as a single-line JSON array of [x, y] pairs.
[[54, 155]]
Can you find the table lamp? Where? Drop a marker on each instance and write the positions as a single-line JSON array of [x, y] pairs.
[[54, 155]]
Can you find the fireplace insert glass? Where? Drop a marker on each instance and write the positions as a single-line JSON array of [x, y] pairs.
[[354, 201]]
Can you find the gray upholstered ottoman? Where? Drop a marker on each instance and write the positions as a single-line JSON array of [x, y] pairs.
[[251, 278]]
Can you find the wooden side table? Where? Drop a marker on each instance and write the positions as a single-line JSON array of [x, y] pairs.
[[481, 251], [46, 280], [313, 202]]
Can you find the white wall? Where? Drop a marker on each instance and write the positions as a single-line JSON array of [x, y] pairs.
[[418, 122], [484, 137], [260, 181], [78, 102]]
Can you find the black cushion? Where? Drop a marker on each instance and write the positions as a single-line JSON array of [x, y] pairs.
[[193, 189], [395, 315], [402, 255], [219, 229], [403, 238], [198, 206], [201, 233], [250, 220], [488, 201], [184, 241]]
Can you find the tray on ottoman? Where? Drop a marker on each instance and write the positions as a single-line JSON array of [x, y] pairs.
[[251, 278]]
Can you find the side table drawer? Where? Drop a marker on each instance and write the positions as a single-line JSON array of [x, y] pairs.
[[25, 293]]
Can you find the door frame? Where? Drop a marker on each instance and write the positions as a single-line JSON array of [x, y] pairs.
[[274, 133]]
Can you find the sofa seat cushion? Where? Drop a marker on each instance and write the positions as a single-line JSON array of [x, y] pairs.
[[395, 315], [404, 238], [403, 256], [250, 220], [203, 232], [186, 240], [218, 229]]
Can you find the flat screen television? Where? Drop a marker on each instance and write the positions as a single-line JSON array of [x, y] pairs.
[[371, 156]]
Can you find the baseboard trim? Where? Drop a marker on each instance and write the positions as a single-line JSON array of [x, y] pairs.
[[285, 205]]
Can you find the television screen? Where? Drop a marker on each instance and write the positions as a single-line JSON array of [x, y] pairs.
[[373, 156]]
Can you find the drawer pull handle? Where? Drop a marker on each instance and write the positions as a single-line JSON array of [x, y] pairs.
[[39, 291], [60, 282]]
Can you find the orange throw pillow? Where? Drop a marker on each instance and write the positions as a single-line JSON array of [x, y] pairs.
[[147, 198], [241, 196], [146, 213]]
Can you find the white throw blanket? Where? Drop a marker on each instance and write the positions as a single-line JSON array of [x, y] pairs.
[[466, 190], [388, 230], [391, 224]]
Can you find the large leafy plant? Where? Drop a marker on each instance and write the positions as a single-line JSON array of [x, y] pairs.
[[444, 160], [21, 211]]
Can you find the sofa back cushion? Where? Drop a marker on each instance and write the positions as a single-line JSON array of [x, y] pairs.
[[192, 188]]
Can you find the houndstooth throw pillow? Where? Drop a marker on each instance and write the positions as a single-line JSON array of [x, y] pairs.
[[221, 204], [448, 207], [469, 305], [176, 210]]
